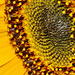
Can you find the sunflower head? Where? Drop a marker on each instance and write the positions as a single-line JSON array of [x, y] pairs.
[[43, 34]]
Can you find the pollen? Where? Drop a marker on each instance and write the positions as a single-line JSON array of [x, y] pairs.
[[73, 29], [17, 20], [59, 2], [14, 2], [73, 49], [71, 15], [64, 12], [15, 26], [17, 31], [67, 3], [74, 19], [14, 43], [20, 36], [19, 4], [72, 36], [9, 26]]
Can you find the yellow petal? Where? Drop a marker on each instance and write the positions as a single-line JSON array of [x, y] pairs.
[[14, 67], [2, 1], [6, 54]]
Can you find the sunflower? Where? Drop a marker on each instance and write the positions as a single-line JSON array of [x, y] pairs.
[[37, 37]]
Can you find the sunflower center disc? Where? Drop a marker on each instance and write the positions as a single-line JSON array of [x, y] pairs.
[[50, 32]]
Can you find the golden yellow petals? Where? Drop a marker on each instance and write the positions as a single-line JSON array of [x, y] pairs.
[[6, 49], [2, 1], [6, 54], [14, 67]]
